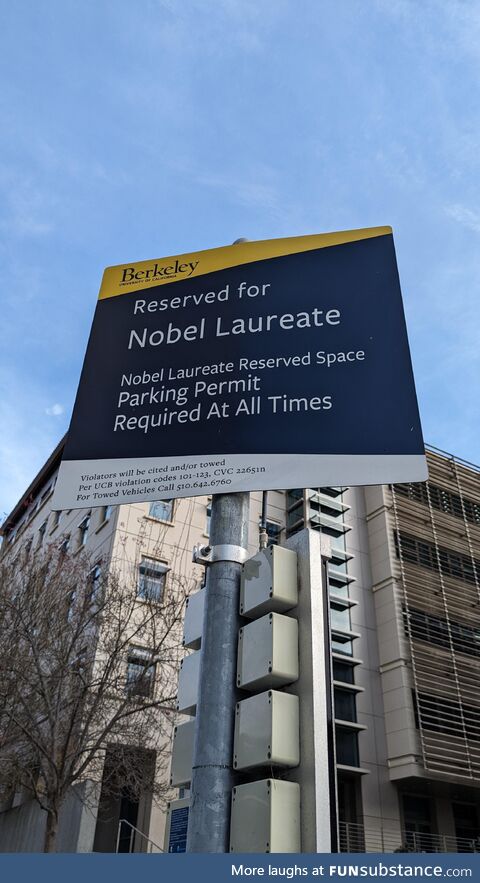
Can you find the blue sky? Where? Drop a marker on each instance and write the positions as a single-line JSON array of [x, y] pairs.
[[136, 130]]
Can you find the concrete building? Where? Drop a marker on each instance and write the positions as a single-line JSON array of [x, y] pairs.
[[157, 539], [405, 621]]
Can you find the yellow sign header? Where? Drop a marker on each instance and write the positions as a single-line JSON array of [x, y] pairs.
[[148, 274]]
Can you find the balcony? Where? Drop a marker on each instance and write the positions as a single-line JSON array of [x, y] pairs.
[[356, 838]]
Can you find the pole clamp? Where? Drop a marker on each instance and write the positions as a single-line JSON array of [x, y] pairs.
[[223, 552]]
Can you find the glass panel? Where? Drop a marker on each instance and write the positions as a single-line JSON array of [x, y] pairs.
[[416, 813], [273, 532], [340, 619], [83, 528], [163, 510], [295, 515], [340, 646], [95, 577], [347, 747], [341, 591], [339, 568], [139, 678], [293, 496], [336, 542], [345, 705], [343, 672], [151, 580]]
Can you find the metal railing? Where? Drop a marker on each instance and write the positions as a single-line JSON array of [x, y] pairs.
[[126, 834], [356, 838]]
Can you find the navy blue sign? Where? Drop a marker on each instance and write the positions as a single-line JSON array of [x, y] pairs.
[[177, 841], [295, 362]]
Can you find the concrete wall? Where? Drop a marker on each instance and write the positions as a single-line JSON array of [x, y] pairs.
[[22, 829], [379, 796], [403, 749]]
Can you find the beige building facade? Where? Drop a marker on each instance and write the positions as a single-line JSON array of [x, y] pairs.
[[405, 624]]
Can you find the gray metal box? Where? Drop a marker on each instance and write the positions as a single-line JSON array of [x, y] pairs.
[[267, 731], [193, 621], [188, 679], [182, 754], [267, 653], [269, 582], [266, 817]]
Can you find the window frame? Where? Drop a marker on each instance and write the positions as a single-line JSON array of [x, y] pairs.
[[273, 537], [162, 503], [143, 686], [42, 530], [144, 595], [95, 581], [106, 514], [64, 545], [84, 530], [57, 517]]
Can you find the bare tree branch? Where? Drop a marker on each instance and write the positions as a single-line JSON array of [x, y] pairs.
[[85, 669]]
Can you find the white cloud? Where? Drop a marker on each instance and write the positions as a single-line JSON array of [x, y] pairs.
[[55, 410], [464, 216]]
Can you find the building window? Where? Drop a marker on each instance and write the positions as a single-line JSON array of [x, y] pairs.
[[441, 715], [83, 529], [57, 517], [343, 672], [41, 533], [72, 602], [65, 545], [295, 511], [95, 580], [32, 508], [349, 812], [436, 630], [208, 518], [441, 499], [46, 493], [140, 672], [163, 510], [106, 513], [342, 644], [345, 705], [445, 561], [466, 824], [21, 526], [273, 532], [339, 617], [151, 579], [417, 822], [294, 495], [346, 743]]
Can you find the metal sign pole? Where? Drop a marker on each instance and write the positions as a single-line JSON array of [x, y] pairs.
[[212, 772]]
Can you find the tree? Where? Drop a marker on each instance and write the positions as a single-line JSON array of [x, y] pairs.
[[87, 661]]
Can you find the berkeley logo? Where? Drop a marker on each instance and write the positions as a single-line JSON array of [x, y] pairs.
[[130, 274]]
